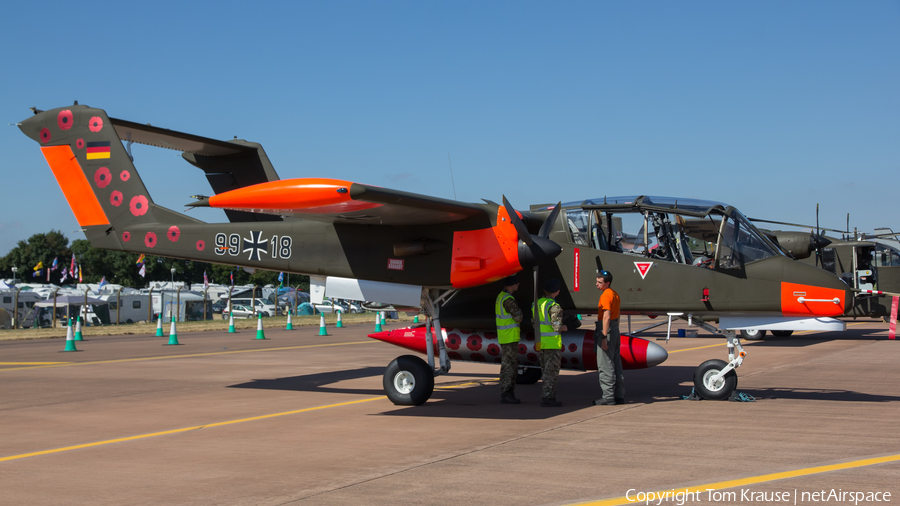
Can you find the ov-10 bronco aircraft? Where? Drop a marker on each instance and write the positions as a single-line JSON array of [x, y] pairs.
[[445, 257]]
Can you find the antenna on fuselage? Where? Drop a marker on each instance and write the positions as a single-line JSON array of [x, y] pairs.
[[451, 176]]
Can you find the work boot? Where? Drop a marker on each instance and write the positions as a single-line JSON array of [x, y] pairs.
[[509, 398], [603, 402], [620, 400], [550, 403]]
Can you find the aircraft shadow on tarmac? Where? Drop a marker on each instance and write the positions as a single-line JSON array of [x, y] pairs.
[[463, 399], [815, 394], [319, 382], [455, 395]]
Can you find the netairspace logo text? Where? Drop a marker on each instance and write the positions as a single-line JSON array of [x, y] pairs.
[[746, 495]]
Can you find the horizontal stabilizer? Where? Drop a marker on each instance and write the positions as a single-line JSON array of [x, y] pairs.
[[228, 165], [171, 139]]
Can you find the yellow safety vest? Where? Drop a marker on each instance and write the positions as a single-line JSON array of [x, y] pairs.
[[507, 328], [550, 339]]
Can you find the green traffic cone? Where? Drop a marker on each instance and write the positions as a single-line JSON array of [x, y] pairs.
[[290, 323], [231, 323], [173, 335], [78, 335], [377, 322], [322, 331], [159, 332], [416, 319], [579, 316], [339, 323], [70, 339], [259, 328]]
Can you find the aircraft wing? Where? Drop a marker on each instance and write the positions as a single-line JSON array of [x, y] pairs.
[[337, 201]]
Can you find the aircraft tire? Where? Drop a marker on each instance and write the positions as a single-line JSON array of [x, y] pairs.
[[782, 333], [531, 376], [719, 391], [408, 381], [753, 334]]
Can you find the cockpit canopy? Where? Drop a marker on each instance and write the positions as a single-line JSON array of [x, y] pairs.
[[682, 230]]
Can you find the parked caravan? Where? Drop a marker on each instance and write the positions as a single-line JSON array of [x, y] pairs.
[[133, 307], [25, 312], [189, 305]]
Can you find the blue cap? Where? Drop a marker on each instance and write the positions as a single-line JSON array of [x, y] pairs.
[[551, 285], [511, 280]]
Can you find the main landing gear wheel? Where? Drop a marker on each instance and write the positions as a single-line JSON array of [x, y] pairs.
[[753, 334], [408, 381], [782, 333], [709, 389], [530, 376]]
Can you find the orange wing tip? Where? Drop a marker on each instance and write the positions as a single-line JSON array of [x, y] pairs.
[[293, 196]]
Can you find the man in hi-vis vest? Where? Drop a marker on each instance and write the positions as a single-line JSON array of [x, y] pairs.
[[509, 316], [550, 316]]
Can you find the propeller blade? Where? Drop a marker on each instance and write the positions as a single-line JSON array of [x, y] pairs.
[[540, 251], [548, 223], [820, 241], [536, 316], [818, 236], [517, 222]]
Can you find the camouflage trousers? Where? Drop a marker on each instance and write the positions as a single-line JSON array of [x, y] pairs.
[[609, 364], [550, 362], [509, 367]]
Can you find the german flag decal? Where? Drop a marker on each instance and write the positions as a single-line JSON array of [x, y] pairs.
[[97, 150]]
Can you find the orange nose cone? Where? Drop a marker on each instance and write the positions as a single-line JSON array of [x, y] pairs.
[[807, 300]]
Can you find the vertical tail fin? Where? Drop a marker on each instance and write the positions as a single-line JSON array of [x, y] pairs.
[[96, 174]]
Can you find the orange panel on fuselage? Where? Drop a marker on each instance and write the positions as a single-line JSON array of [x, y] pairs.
[[75, 185], [808, 300], [485, 255]]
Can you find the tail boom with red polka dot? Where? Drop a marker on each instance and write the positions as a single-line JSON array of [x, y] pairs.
[[417, 240]]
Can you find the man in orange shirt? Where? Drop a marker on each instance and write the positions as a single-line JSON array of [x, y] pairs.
[[607, 337]]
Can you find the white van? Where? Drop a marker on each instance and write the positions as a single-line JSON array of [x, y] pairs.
[[263, 306]]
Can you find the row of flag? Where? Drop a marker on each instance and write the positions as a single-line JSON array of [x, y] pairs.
[[74, 270]]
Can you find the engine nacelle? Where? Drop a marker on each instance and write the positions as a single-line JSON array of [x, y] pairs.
[[799, 244]]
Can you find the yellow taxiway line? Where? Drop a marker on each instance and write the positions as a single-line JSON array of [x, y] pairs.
[[33, 363], [752, 480], [167, 357], [699, 347], [184, 429]]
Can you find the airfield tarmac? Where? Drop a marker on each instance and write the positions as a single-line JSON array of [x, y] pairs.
[[302, 419]]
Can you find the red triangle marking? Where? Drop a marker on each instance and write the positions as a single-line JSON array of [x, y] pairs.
[[643, 268]]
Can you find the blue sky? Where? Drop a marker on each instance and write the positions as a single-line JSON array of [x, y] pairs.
[[770, 106]]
